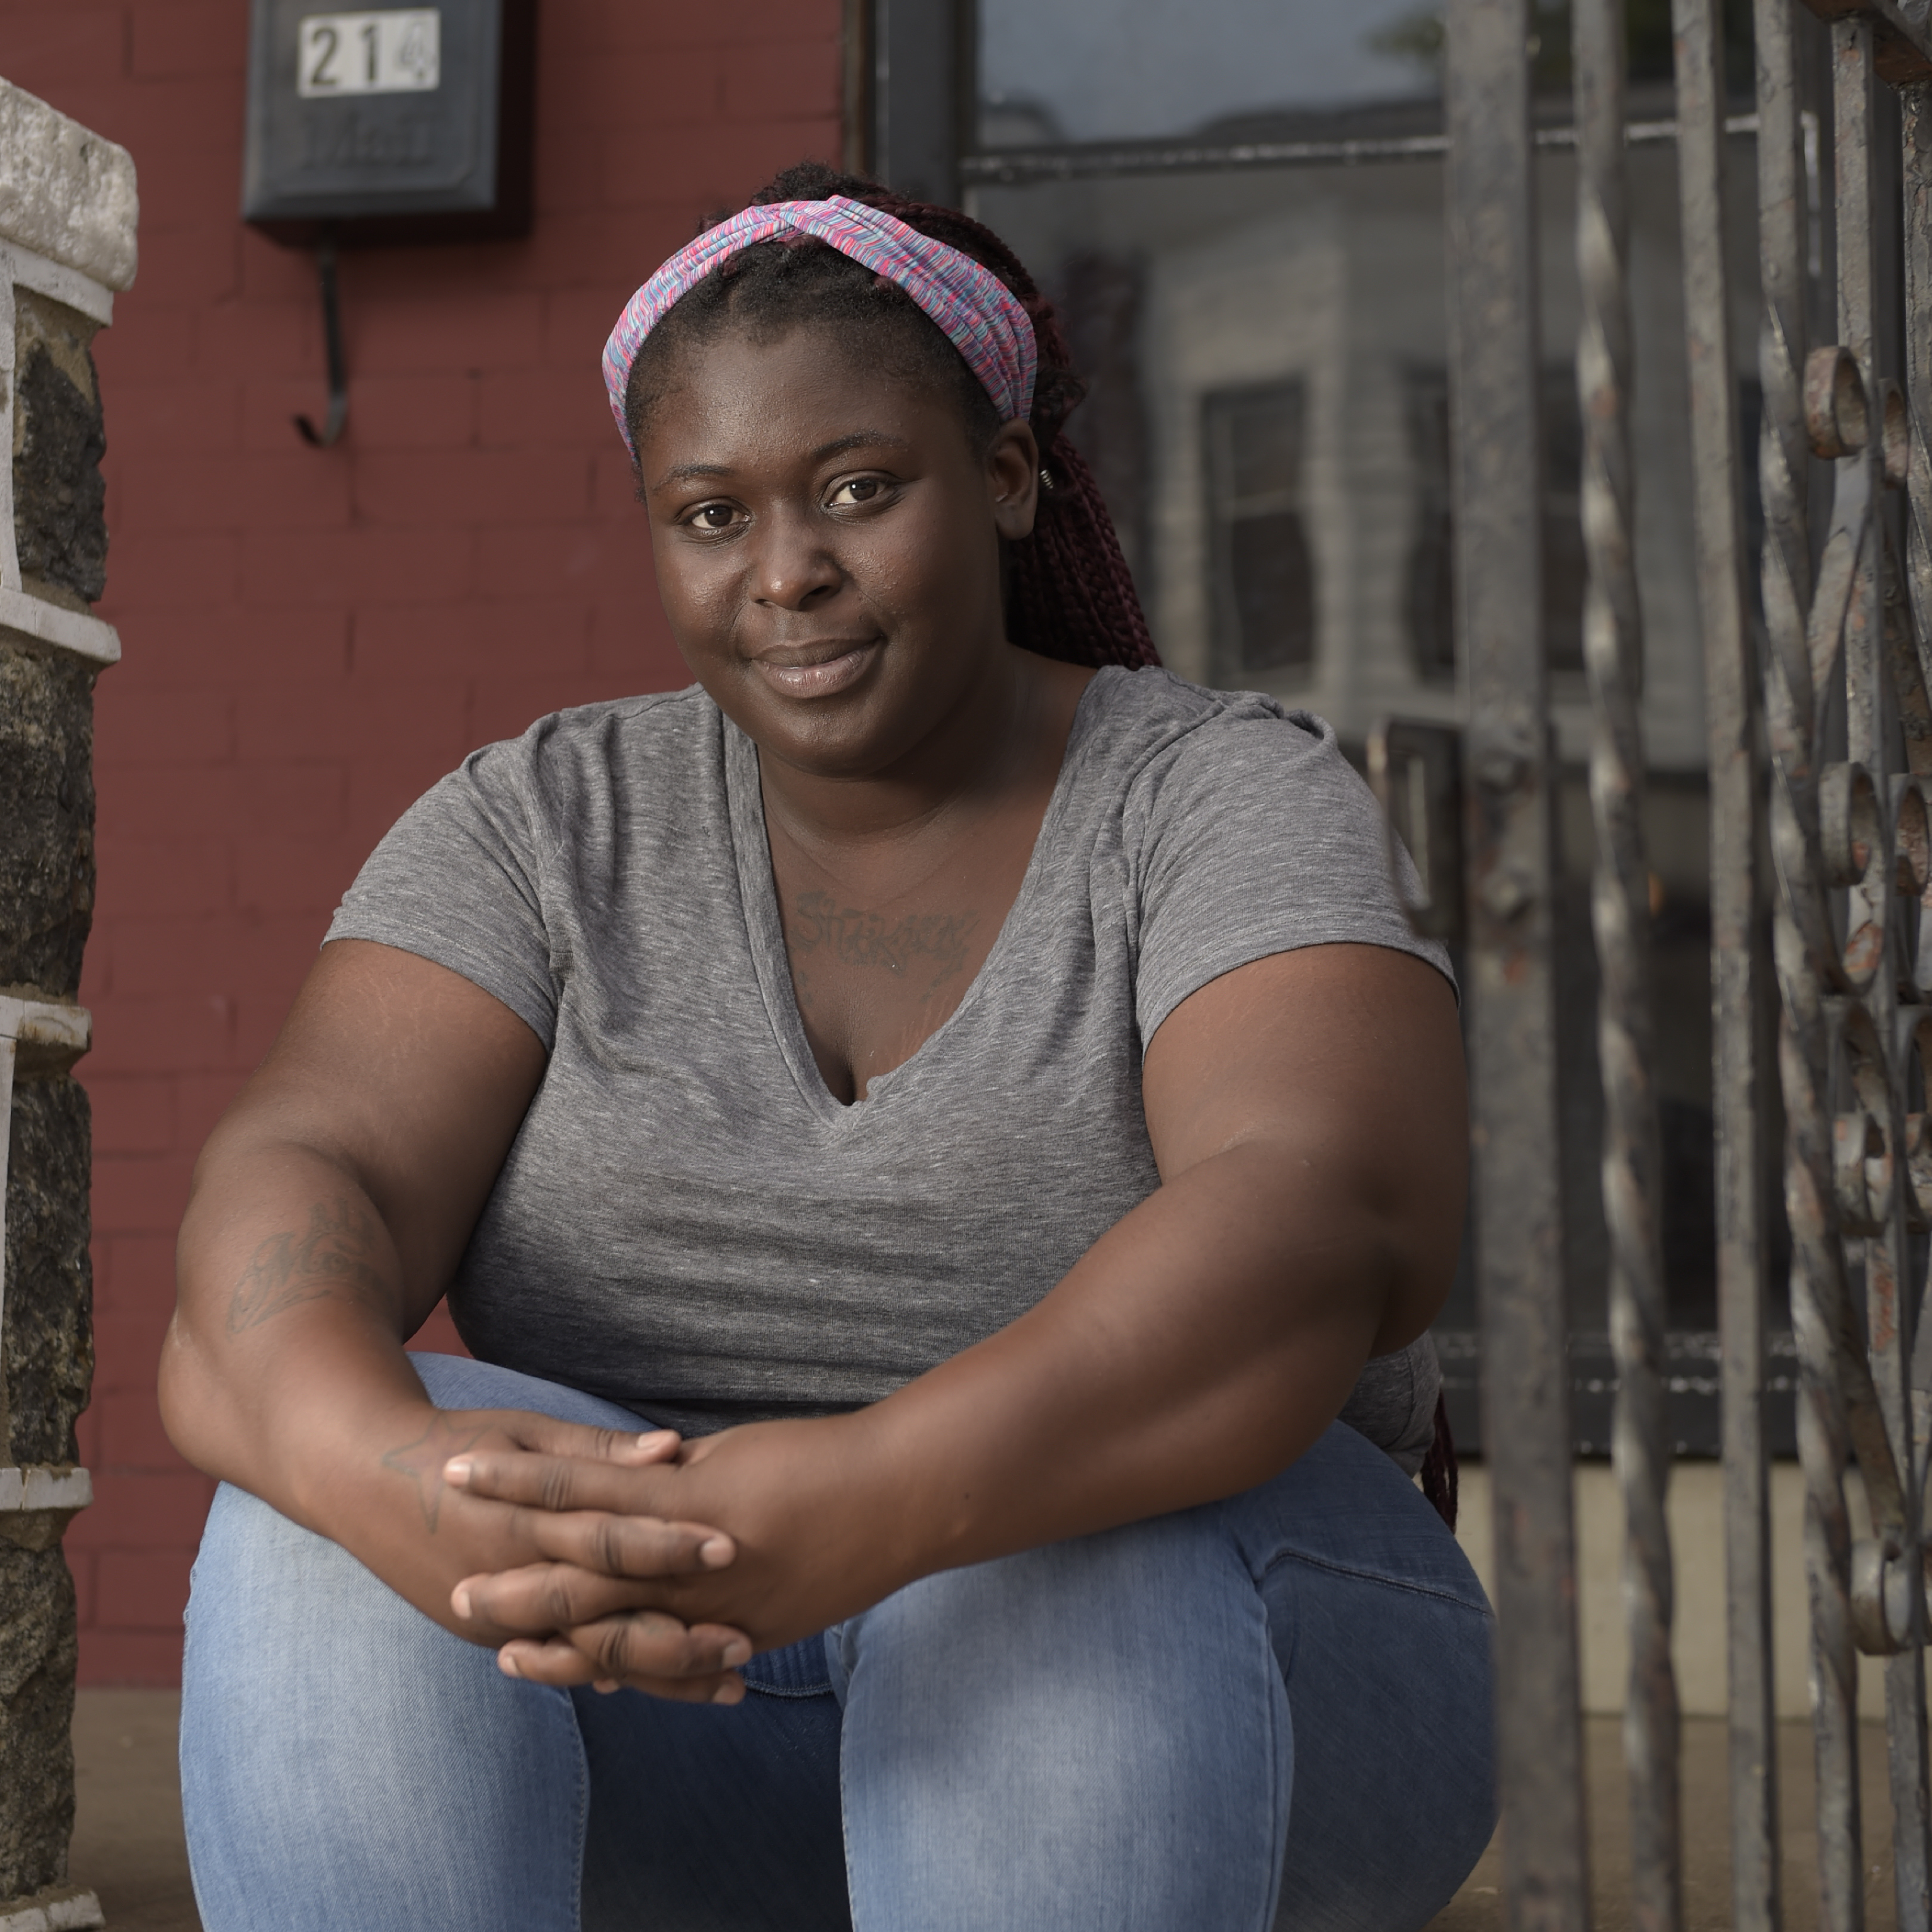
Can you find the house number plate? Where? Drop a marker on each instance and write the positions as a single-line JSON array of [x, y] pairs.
[[399, 51]]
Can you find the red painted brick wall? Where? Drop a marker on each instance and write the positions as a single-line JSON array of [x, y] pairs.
[[311, 638]]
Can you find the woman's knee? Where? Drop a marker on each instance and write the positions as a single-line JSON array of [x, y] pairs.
[[260, 1573], [255, 1566], [1093, 1734], [270, 1602], [1390, 1686], [1112, 1602], [342, 1754], [265, 1589]]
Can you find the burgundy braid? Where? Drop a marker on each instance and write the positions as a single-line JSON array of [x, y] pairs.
[[1440, 1476], [1070, 595]]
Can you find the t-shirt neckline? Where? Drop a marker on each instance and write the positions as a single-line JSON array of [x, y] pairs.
[[758, 889]]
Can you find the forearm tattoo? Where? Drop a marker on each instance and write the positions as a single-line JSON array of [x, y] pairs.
[[331, 1258], [422, 1461]]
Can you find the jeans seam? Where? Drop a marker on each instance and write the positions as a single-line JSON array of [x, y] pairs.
[[845, 1810], [1274, 1680], [582, 1834], [1441, 1596]]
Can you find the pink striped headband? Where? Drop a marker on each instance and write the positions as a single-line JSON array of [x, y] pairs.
[[979, 314]]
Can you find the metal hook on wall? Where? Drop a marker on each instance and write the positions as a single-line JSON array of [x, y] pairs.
[[331, 326]]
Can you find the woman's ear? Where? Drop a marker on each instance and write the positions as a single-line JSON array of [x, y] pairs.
[[1012, 479]]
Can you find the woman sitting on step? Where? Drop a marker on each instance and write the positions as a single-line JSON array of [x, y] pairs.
[[944, 1149]]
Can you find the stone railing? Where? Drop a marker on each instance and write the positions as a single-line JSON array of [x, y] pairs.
[[68, 216]]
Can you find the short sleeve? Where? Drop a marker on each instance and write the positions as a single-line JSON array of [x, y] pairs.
[[1256, 836], [454, 881]]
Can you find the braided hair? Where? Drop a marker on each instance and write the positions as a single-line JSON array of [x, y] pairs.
[[1069, 594]]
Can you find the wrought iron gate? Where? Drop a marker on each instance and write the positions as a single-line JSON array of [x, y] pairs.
[[1820, 747]]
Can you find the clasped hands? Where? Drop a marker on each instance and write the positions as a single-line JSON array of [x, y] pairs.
[[636, 1587]]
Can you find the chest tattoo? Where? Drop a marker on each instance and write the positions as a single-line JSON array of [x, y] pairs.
[[938, 942]]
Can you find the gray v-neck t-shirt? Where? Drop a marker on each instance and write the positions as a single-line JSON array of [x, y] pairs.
[[689, 1222]]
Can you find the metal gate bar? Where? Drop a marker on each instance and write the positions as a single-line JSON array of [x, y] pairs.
[[1731, 713], [1509, 838], [1620, 921], [1905, 1709]]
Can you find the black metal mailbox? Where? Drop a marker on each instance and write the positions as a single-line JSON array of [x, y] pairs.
[[389, 123]]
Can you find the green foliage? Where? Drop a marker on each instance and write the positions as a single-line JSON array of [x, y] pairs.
[[1416, 36]]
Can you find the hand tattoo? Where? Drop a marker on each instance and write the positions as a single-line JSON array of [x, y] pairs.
[[864, 938], [331, 1258], [422, 1460]]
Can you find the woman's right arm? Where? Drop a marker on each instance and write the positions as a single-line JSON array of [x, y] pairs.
[[329, 1211]]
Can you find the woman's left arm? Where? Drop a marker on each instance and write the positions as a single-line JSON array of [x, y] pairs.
[[1307, 1112]]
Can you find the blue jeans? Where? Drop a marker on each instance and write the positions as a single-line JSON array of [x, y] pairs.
[[1270, 1711]]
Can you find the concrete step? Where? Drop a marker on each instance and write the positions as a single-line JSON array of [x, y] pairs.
[[1707, 1835]]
